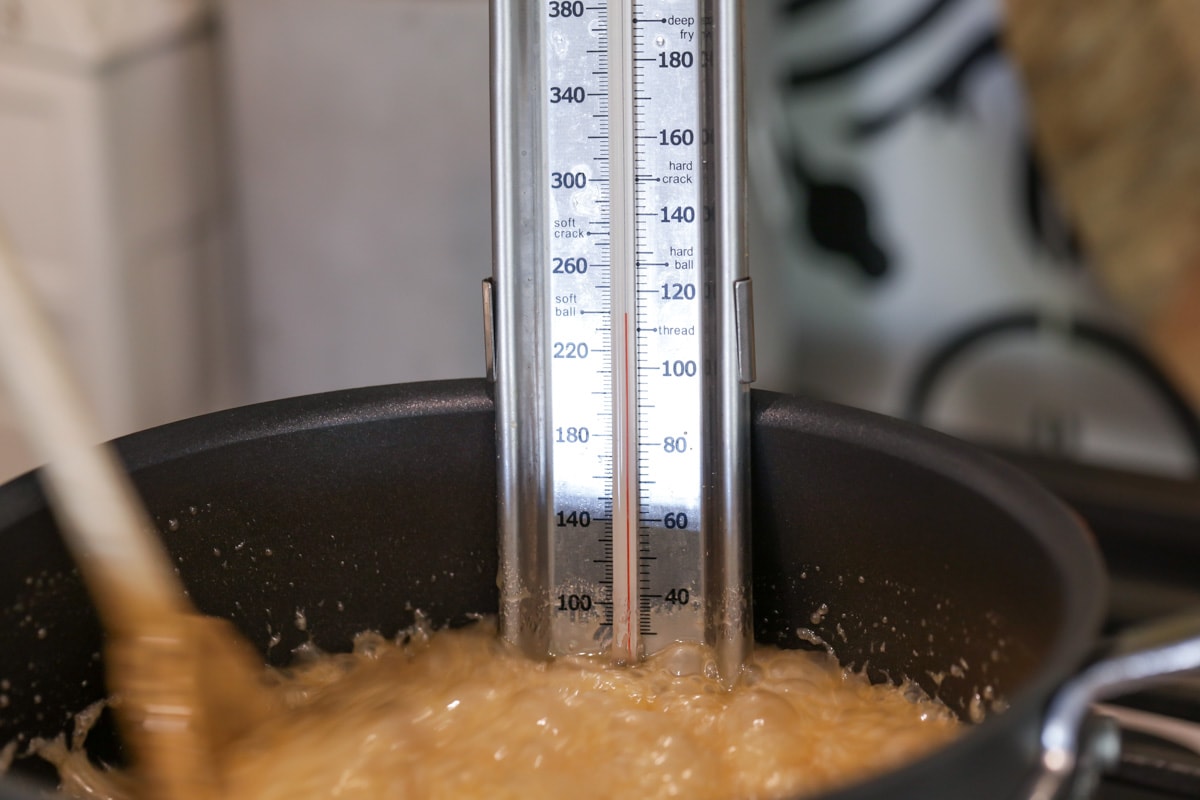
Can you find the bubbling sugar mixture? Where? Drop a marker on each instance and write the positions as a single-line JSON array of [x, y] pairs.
[[458, 715]]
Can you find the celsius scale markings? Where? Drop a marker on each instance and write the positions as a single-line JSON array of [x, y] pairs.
[[621, 326]]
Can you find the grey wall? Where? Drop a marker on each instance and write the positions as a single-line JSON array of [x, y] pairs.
[[361, 134]]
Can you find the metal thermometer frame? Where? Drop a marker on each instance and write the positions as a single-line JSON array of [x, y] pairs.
[[519, 311]]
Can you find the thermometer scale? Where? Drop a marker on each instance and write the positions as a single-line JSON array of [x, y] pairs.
[[619, 321]]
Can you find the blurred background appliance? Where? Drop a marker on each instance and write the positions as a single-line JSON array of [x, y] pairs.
[[922, 266]]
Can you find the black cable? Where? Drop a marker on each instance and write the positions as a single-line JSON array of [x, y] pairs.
[[803, 76], [1125, 349], [797, 7]]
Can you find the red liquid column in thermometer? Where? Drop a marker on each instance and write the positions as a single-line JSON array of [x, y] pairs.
[[620, 319], [625, 209]]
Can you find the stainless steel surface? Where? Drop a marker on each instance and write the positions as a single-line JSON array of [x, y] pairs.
[[1184, 733], [730, 617], [587, 80], [663, 313], [622, 350], [744, 305], [520, 346], [1139, 658], [489, 329]]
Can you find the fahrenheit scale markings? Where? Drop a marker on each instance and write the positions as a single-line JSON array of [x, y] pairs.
[[625, 205], [620, 326]]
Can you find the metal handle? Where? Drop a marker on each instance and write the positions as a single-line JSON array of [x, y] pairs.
[[1135, 659], [1177, 731]]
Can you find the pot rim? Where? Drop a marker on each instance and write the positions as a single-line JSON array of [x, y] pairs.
[[1043, 515], [1084, 588]]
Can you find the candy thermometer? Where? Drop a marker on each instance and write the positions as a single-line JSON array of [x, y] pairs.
[[620, 326]]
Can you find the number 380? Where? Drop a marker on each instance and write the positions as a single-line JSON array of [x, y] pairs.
[[566, 8]]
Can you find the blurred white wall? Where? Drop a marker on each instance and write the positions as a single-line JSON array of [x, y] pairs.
[[359, 147], [361, 132], [111, 188]]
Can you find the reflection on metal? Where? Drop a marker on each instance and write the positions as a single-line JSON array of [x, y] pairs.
[[623, 341], [1138, 658]]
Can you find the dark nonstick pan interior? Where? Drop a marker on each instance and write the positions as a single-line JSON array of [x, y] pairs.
[[318, 517]]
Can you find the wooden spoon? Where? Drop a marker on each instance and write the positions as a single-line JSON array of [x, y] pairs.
[[184, 684]]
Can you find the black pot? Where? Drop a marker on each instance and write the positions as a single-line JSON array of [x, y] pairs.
[[358, 507]]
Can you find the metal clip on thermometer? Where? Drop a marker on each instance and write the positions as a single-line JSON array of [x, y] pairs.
[[620, 326]]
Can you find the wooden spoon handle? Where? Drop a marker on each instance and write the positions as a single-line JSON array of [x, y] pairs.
[[103, 522]]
